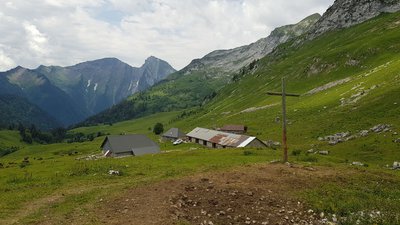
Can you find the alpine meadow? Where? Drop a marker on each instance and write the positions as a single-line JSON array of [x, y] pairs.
[[102, 142]]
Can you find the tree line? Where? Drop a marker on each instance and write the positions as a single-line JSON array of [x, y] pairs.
[[31, 134]]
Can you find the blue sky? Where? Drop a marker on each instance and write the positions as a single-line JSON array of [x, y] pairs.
[[58, 32]]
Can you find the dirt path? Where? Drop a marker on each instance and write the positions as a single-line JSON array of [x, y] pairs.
[[249, 195]]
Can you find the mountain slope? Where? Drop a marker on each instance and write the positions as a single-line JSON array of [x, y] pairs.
[[231, 61], [349, 81], [346, 13], [38, 90], [16, 109], [198, 82]]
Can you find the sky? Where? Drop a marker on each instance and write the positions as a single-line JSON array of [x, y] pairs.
[[64, 33]]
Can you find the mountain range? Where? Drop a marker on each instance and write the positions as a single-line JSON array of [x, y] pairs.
[[70, 94], [107, 90], [201, 80], [198, 82]]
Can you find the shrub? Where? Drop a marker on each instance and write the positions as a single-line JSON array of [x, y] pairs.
[[296, 152], [247, 152], [158, 128]]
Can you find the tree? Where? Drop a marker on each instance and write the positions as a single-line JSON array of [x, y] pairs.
[[158, 128], [34, 132]]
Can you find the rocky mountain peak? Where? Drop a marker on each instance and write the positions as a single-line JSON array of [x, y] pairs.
[[152, 58], [298, 28], [346, 13]]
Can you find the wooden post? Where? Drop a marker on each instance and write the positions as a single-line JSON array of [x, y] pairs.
[[284, 122], [284, 119]]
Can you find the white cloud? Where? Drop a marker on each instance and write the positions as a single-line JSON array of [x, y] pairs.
[[35, 39], [67, 32], [5, 61]]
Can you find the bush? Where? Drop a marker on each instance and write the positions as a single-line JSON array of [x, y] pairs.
[[309, 158], [158, 128], [296, 152], [247, 152], [8, 150]]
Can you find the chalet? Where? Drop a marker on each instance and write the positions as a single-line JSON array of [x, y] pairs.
[[129, 145], [219, 139], [235, 129], [173, 134]]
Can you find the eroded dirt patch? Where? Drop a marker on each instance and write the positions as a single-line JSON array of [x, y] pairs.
[[261, 194]]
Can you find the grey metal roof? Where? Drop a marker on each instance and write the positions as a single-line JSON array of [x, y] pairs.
[[221, 138], [174, 133], [139, 144]]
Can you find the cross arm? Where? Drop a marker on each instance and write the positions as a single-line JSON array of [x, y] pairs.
[[280, 94]]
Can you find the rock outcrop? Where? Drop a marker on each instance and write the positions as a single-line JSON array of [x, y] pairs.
[[346, 13]]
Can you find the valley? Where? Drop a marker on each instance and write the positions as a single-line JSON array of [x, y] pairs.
[[343, 136]]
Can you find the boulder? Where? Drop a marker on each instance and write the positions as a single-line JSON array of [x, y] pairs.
[[323, 152], [357, 164], [364, 133], [396, 140], [114, 172], [396, 165], [381, 128], [337, 138]]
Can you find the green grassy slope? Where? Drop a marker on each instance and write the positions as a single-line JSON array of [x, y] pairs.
[[367, 54], [10, 138]]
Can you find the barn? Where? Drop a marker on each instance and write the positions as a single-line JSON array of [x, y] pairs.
[[128, 145], [219, 139]]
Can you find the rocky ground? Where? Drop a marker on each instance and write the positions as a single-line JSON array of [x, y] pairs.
[[262, 194]]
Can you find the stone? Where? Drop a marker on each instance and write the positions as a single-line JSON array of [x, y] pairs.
[[396, 140], [114, 172], [357, 164], [364, 133], [337, 138], [323, 152], [396, 165], [381, 128]]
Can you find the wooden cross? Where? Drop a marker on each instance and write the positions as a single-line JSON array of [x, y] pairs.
[[284, 121]]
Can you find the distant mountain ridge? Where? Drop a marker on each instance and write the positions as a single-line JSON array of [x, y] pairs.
[[232, 60], [71, 94]]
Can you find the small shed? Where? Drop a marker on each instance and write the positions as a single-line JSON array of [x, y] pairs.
[[234, 129], [173, 134], [129, 145]]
